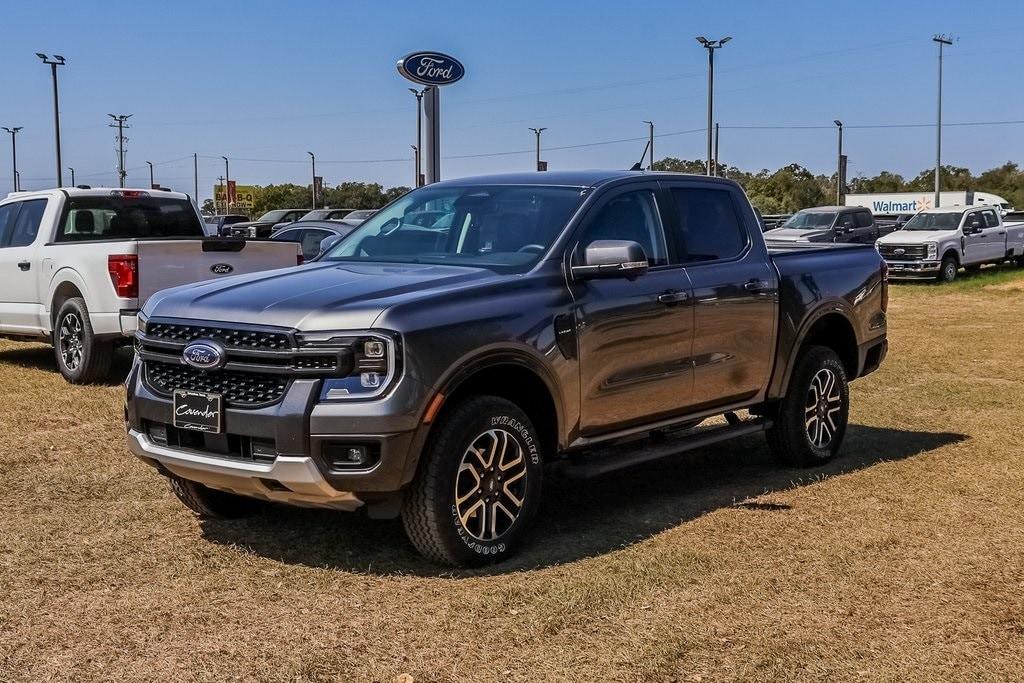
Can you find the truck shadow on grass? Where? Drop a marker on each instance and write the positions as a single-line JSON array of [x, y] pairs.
[[577, 519], [41, 357]]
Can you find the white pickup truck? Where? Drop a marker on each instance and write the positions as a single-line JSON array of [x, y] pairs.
[[76, 264], [936, 243]]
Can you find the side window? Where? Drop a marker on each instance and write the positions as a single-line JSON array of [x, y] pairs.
[[709, 227], [630, 216], [973, 216], [845, 221], [863, 219], [7, 214], [26, 226], [311, 240], [991, 220]]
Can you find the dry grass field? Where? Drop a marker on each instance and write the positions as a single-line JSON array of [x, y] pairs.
[[903, 560]]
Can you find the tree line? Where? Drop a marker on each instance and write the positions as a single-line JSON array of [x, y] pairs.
[[351, 195], [793, 187]]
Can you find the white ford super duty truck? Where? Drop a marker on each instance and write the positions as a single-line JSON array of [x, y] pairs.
[[76, 264]]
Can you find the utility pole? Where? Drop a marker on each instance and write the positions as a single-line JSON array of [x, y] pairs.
[[72, 176], [716, 149], [419, 133], [839, 165], [220, 180], [416, 164], [151, 182], [54, 62], [120, 122], [942, 40], [711, 46], [14, 155], [650, 143], [537, 132], [195, 176], [312, 158], [227, 185]]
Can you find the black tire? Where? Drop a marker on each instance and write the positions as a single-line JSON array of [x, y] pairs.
[[948, 269], [81, 358], [1019, 261], [213, 504], [790, 437], [450, 527]]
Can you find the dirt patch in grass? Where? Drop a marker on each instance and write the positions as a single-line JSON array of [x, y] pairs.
[[903, 560]]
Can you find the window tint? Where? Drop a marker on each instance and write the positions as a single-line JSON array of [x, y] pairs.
[[863, 219], [709, 228], [845, 221], [630, 216], [7, 214], [991, 220], [115, 217]]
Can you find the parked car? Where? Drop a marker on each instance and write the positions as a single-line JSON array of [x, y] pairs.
[[358, 217], [265, 225], [325, 214], [78, 263], [310, 235], [214, 225], [435, 373], [936, 243], [827, 224]]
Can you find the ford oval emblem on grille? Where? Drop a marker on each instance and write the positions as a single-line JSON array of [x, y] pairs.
[[205, 355], [899, 252], [221, 268]]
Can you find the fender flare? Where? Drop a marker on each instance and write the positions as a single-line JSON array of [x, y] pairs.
[[829, 307], [65, 275]]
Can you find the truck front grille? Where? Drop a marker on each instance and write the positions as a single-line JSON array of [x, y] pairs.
[[239, 389], [229, 337], [903, 252]]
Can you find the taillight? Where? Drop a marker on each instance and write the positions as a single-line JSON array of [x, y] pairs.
[[885, 286], [300, 259], [124, 274]]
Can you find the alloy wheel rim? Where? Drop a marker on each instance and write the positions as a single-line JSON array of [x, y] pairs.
[[69, 338], [824, 401], [490, 484]]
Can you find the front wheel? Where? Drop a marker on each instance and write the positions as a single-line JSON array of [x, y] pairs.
[[478, 486], [810, 420], [81, 358], [947, 272]]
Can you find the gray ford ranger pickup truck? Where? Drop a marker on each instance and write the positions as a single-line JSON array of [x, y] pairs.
[[570, 322]]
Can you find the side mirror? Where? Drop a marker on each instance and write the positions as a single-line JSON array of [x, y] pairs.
[[611, 258]]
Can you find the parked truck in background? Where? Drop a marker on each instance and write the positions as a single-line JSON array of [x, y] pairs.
[[76, 264], [936, 243], [895, 203], [580, 320], [828, 224]]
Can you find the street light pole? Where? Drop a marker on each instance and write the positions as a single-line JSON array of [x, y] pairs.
[[942, 40], [419, 133], [312, 158], [151, 182], [711, 46], [716, 149], [14, 155], [537, 132], [416, 164], [227, 186], [650, 143], [54, 62], [839, 165], [195, 175], [72, 175]]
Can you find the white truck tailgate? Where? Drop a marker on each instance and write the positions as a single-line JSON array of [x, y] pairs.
[[169, 263]]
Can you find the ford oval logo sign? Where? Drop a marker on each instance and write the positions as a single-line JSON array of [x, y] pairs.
[[221, 268], [205, 355], [899, 252], [431, 68]]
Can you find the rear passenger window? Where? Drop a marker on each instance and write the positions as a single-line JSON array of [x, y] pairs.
[[709, 227], [26, 225], [863, 219]]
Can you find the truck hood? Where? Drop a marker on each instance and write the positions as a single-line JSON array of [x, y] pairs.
[[916, 236], [798, 235], [322, 296]]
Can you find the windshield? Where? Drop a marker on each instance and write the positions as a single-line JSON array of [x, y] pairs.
[[117, 217], [504, 228], [359, 214], [273, 216], [933, 221], [809, 219]]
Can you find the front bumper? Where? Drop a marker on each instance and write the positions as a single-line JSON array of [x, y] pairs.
[[912, 270]]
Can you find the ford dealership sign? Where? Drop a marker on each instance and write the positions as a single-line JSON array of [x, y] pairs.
[[431, 68]]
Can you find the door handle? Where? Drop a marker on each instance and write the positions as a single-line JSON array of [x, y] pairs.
[[757, 286], [1002, 233], [672, 297], [24, 265]]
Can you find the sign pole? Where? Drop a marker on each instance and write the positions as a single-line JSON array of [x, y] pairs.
[[432, 115], [431, 69]]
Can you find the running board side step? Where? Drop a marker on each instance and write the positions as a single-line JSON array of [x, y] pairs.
[[610, 459]]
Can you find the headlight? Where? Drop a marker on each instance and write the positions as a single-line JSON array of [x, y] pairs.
[[933, 251], [375, 363]]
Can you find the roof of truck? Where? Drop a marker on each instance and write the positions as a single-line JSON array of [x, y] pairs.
[[92, 192], [588, 178]]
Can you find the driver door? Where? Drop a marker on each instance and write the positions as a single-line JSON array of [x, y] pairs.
[[635, 336]]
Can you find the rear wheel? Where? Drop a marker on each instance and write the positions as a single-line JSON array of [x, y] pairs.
[[211, 503], [81, 358], [947, 272], [478, 487], [810, 420]]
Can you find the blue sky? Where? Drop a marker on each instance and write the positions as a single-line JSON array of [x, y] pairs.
[[264, 82]]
